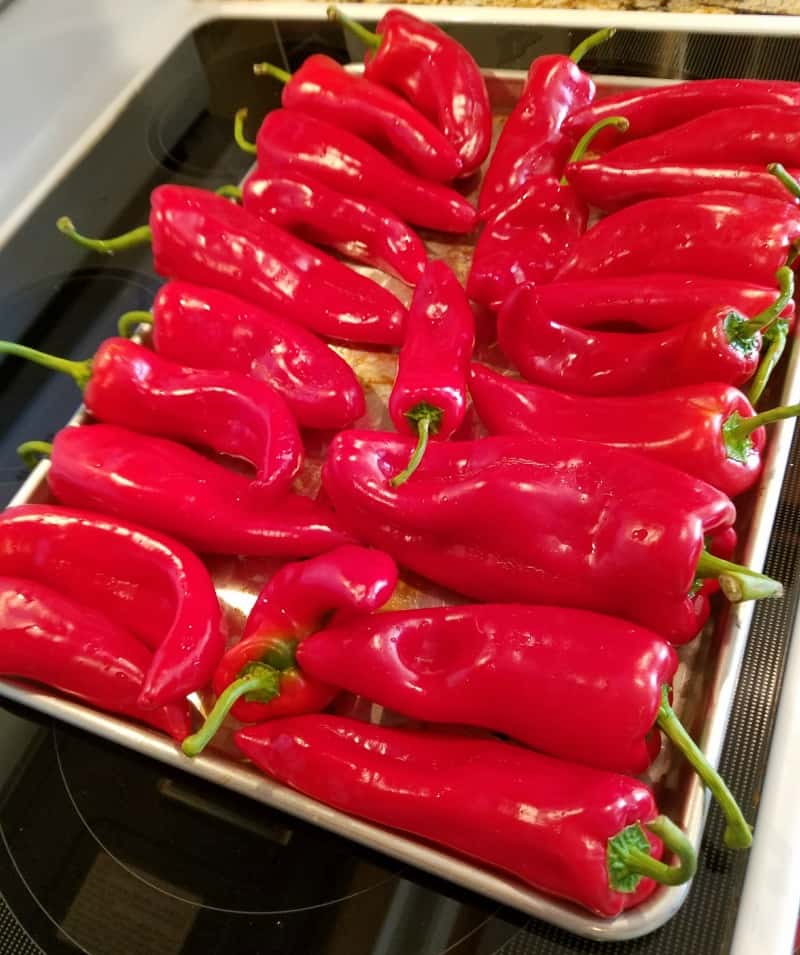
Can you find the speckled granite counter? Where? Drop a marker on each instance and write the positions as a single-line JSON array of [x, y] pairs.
[[780, 7]]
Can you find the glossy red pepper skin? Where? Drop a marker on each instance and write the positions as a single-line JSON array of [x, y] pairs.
[[532, 145], [650, 302], [541, 675], [49, 638], [226, 411], [610, 186], [300, 599], [442, 80], [600, 363], [755, 135], [681, 427], [659, 108], [434, 360], [203, 238], [175, 490], [527, 242], [545, 821], [325, 89], [359, 229], [573, 524], [724, 234], [205, 328], [146, 582], [292, 143]]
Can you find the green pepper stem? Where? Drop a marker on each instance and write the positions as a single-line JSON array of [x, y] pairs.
[[238, 132], [32, 452], [619, 122], [130, 321], [629, 860], [600, 36], [738, 834], [746, 426], [269, 69], [230, 192], [423, 432], [128, 240], [81, 371], [761, 322], [738, 583], [262, 680], [785, 178], [777, 335], [367, 37]]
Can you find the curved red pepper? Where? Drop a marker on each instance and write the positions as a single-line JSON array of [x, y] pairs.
[[429, 396], [49, 638], [723, 346], [653, 301], [356, 228], [609, 187], [146, 582], [206, 328], [325, 89], [527, 242], [540, 675], [755, 135], [532, 146], [294, 143], [204, 238], [726, 234], [258, 678], [435, 73], [557, 826], [179, 492], [657, 108], [689, 428], [131, 386], [573, 524]]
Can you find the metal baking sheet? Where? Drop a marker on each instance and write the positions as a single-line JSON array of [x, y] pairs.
[[704, 686]]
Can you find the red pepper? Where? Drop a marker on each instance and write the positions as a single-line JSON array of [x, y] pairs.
[[540, 675], [571, 524], [144, 581], [722, 346], [532, 145], [52, 639], [420, 61], [708, 430], [531, 237], [608, 186], [179, 492], [663, 107], [204, 238], [204, 328], [754, 135], [429, 397], [131, 386], [653, 301], [292, 143], [726, 234], [527, 242], [356, 228], [325, 89], [563, 828], [258, 677]]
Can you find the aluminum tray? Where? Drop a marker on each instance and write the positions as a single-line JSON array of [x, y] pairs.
[[704, 686]]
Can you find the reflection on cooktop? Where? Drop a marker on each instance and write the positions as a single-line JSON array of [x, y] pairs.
[[118, 855]]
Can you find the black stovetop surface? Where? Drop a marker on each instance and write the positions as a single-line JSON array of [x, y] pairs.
[[105, 851]]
